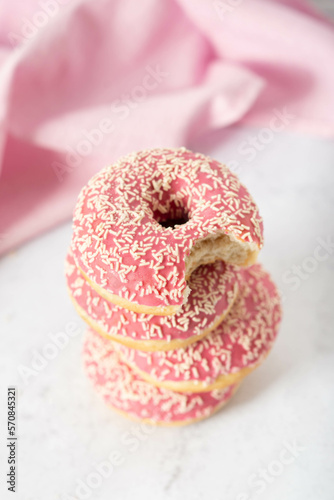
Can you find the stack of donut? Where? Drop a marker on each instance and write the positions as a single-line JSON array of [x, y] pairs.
[[162, 268]]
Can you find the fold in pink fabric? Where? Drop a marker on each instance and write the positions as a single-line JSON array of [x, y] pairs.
[[83, 82]]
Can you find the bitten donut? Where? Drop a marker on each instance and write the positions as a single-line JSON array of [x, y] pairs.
[[213, 290], [234, 349], [142, 225], [127, 393]]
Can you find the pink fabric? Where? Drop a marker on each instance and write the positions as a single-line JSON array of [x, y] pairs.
[[85, 81]]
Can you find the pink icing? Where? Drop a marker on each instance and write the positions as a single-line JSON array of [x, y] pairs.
[[242, 340], [213, 290], [124, 390], [118, 240]]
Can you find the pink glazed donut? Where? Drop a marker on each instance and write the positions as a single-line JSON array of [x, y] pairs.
[[213, 290], [142, 225], [239, 344], [127, 393]]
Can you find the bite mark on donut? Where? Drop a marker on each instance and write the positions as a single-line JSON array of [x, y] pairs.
[[220, 246]]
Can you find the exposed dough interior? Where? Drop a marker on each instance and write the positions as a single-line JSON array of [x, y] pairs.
[[220, 247]]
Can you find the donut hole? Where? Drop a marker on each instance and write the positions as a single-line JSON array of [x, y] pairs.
[[172, 222], [171, 215]]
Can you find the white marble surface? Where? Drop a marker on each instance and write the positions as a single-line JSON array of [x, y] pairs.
[[65, 432]]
